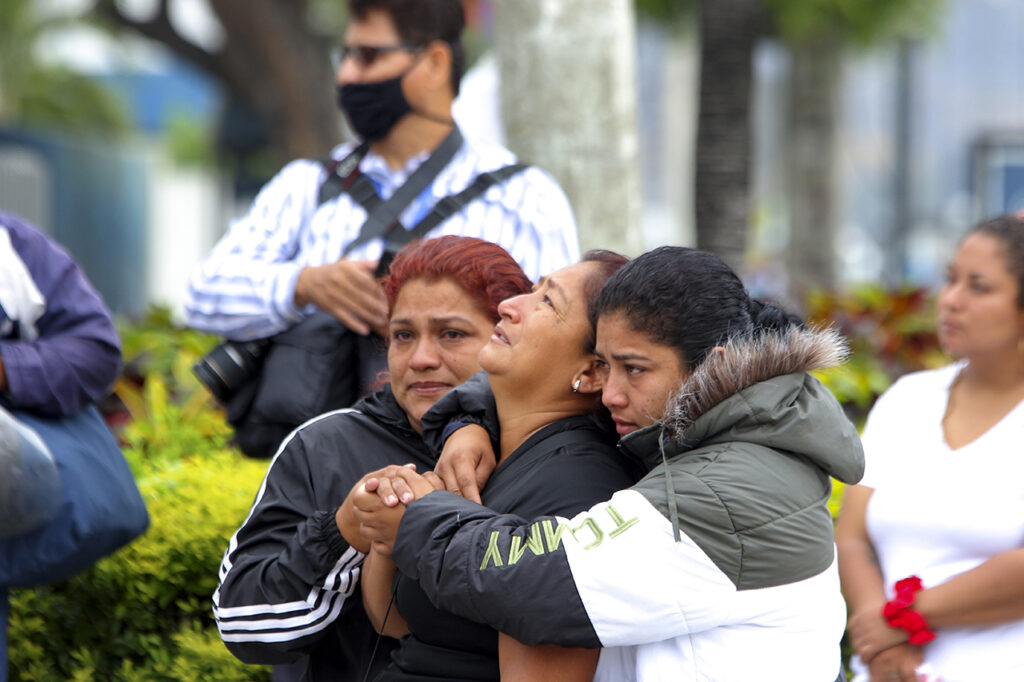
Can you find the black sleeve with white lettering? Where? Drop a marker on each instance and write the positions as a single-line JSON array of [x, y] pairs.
[[444, 540]]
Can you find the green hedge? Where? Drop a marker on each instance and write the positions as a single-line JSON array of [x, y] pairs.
[[144, 613]]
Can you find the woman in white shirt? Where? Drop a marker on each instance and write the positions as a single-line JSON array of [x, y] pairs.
[[931, 543]]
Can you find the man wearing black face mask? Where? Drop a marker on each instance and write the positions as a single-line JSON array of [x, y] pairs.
[[397, 73]]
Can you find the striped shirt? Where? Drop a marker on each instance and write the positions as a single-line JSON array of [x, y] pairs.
[[245, 287]]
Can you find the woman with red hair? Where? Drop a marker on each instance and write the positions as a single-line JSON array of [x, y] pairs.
[[289, 581], [554, 459]]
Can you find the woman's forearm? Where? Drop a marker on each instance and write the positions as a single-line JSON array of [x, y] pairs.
[[990, 594], [377, 579], [522, 663], [859, 573]]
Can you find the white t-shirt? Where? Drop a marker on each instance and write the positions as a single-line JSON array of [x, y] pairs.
[[937, 512]]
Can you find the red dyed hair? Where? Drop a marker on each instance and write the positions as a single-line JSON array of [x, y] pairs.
[[483, 269]]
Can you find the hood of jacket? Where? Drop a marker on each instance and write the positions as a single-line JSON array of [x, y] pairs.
[[758, 390]]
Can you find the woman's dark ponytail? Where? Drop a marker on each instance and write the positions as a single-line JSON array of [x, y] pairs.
[[765, 316]]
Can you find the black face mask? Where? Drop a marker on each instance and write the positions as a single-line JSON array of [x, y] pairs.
[[373, 109]]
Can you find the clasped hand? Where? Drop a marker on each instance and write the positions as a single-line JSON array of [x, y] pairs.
[[870, 634], [885, 649], [348, 290], [370, 514], [373, 509]]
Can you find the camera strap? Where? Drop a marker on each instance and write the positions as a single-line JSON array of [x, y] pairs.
[[341, 174], [344, 176], [453, 203], [382, 216]]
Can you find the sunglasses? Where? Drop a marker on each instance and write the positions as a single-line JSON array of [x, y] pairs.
[[366, 55]]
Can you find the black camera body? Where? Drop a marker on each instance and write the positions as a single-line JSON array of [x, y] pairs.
[[225, 368]]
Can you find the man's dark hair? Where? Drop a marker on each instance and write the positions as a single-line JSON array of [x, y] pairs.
[[422, 21]]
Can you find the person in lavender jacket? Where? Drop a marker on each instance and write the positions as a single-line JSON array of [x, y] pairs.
[[59, 352]]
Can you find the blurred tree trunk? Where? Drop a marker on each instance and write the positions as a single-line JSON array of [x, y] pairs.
[[812, 184], [903, 181], [569, 105], [272, 60], [729, 31]]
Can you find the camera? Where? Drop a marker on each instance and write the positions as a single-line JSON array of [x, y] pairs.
[[225, 368]]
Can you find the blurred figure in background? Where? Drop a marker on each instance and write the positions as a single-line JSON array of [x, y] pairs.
[[59, 353], [398, 73], [319, 235], [931, 543], [59, 349]]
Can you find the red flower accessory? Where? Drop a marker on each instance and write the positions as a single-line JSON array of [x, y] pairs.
[[898, 614]]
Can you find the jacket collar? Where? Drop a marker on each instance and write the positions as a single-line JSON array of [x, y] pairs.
[[383, 407]]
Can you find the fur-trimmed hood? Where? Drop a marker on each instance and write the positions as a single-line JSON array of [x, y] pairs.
[[757, 390], [741, 363]]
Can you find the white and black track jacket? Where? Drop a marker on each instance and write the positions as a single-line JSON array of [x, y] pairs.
[[289, 581]]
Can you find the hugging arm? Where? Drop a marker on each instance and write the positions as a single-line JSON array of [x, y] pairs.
[[462, 428], [609, 576], [444, 543]]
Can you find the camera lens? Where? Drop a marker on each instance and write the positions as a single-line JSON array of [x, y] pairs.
[[224, 369]]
